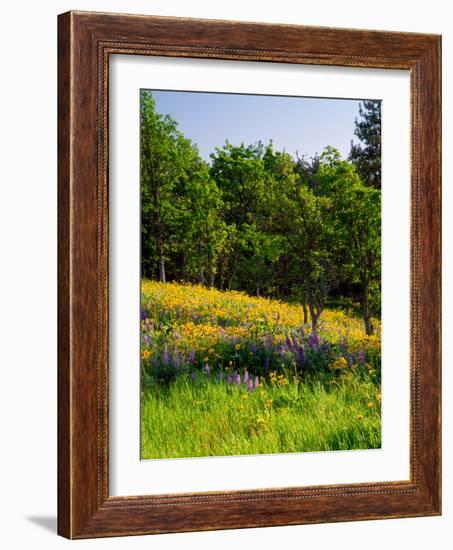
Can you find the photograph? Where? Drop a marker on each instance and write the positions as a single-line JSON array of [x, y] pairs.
[[260, 328]]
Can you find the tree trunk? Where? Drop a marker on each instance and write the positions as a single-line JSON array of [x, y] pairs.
[[366, 313], [304, 306], [159, 239], [314, 318], [160, 253]]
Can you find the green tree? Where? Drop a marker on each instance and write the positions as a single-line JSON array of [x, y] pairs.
[[312, 244], [161, 166], [357, 219], [366, 155]]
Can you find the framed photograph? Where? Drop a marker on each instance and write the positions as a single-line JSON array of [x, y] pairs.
[[249, 275]]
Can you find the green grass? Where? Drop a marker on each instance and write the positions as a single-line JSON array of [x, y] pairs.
[[208, 418]]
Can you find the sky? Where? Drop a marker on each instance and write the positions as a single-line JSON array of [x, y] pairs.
[[295, 124]]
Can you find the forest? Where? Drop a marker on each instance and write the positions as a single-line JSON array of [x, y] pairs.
[[258, 220]]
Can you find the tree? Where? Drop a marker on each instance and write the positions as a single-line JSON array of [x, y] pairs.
[[199, 229], [366, 155], [312, 249], [357, 219], [167, 160], [159, 168]]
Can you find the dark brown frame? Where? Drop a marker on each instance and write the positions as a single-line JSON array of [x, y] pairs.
[[85, 41]]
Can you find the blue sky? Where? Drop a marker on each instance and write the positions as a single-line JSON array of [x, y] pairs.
[[300, 124]]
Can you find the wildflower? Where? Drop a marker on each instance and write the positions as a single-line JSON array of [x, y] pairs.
[[268, 403], [313, 340], [256, 382], [207, 370], [244, 396], [191, 356], [379, 396], [359, 417], [238, 346], [250, 385], [236, 378], [246, 376], [165, 356], [228, 379], [219, 375], [370, 404]]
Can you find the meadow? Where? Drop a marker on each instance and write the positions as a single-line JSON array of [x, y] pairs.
[[225, 373]]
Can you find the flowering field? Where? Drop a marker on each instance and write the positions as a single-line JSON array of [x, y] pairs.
[[224, 373]]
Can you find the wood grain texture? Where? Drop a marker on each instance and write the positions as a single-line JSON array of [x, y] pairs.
[[85, 42]]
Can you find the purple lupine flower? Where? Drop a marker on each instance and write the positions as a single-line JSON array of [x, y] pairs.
[[313, 340], [362, 356], [256, 382], [288, 342], [162, 312], [193, 375], [165, 356], [191, 356], [253, 348], [236, 378], [300, 355], [143, 314], [266, 364], [219, 375], [246, 376], [250, 385], [228, 379], [207, 370]]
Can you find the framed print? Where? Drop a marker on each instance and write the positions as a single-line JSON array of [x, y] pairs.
[[249, 275]]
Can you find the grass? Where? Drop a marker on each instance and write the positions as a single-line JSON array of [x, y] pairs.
[[205, 418]]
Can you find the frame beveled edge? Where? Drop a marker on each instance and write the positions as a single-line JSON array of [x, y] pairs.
[[85, 41]]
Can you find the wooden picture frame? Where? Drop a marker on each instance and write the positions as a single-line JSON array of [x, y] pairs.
[[85, 41]]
